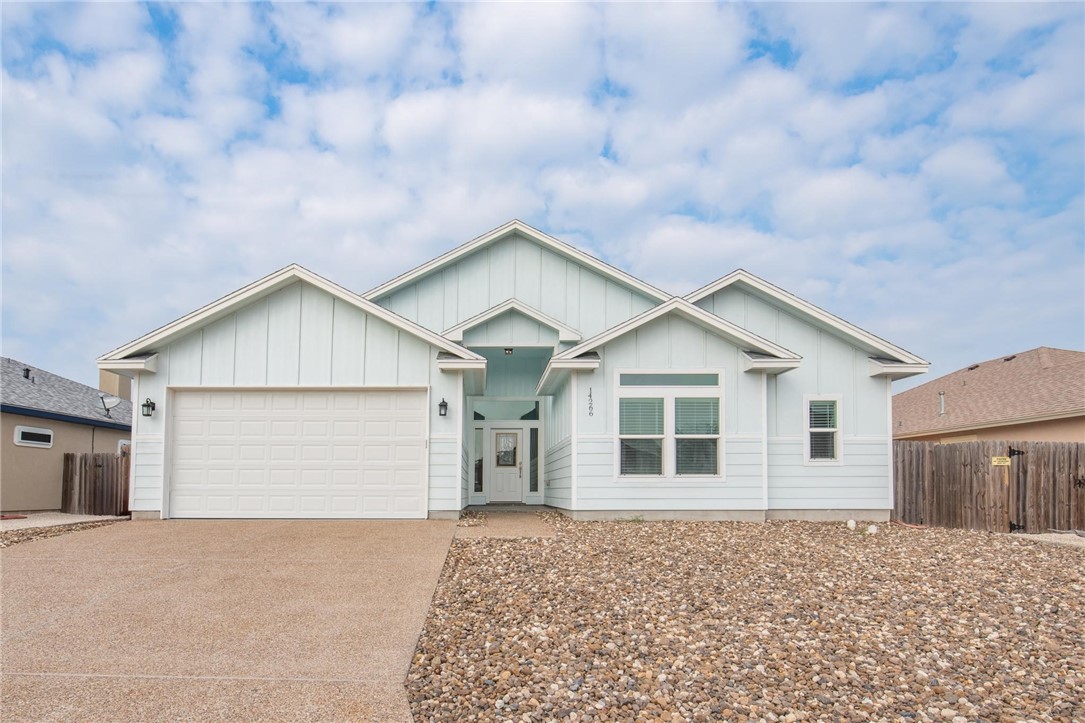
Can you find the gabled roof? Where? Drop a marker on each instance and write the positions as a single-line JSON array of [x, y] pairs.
[[744, 278], [565, 333], [257, 290], [516, 227], [55, 397], [744, 339], [760, 353], [1030, 386]]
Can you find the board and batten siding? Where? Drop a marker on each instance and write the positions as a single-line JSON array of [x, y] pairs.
[[510, 329], [297, 336], [831, 365], [517, 268]]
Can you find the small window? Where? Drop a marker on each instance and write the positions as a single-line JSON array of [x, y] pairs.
[[33, 437], [823, 430]]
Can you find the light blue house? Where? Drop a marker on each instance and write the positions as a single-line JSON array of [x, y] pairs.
[[513, 369]]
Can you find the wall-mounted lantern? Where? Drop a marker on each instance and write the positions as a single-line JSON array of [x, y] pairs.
[[148, 407], [508, 351], [442, 408]]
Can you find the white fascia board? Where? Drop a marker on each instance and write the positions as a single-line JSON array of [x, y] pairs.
[[129, 367], [722, 327], [788, 299], [517, 226], [769, 366], [452, 365], [273, 282], [895, 370], [565, 333], [556, 369]]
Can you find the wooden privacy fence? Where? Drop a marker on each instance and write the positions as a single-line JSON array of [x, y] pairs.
[[96, 484], [994, 486]]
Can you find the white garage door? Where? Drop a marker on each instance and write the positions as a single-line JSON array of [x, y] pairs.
[[291, 454]]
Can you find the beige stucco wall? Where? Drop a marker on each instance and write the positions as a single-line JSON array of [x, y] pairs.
[[31, 478], [1071, 429]]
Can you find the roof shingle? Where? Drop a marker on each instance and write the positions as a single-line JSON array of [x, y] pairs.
[[48, 392], [1035, 384]]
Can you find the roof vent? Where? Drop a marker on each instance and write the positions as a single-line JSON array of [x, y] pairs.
[[1011, 357], [974, 366], [26, 372]]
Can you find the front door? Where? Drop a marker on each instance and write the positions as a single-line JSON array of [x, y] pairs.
[[507, 466]]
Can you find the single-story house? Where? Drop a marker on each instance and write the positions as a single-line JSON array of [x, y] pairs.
[[514, 369], [42, 416], [1032, 396]]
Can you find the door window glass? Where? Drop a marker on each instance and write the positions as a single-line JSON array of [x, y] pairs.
[[505, 443]]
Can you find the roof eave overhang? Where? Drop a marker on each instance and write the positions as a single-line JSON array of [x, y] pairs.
[[895, 370], [130, 366], [557, 369], [768, 366]]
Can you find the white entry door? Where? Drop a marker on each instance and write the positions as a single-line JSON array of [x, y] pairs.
[[507, 466], [288, 454]]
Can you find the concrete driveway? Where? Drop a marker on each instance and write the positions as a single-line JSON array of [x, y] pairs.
[[290, 620]]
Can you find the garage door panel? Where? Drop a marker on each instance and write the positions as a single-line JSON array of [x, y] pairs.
[[298, 454]]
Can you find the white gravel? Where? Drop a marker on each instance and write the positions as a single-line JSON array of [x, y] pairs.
[[741, 621]]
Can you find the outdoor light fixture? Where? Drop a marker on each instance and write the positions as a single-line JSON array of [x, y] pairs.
[[508, 351], [442, 408], [148, 407]]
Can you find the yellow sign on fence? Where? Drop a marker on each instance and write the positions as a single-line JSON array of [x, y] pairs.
[[1000, 461]]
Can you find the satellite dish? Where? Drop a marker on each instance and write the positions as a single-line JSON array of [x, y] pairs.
[[108, 402]]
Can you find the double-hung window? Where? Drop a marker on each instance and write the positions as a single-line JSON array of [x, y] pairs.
[[822, 440], [669, 425]]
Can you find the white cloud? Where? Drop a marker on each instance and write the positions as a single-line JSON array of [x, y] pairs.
[[144, 177], [969, 172], [548, 47]]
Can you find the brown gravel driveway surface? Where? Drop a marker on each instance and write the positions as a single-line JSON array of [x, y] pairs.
[[743, 621], [217, 620]]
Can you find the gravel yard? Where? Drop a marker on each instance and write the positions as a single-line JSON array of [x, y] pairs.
[[29, 534], [774, 621]]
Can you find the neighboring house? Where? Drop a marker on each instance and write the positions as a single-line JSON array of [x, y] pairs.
[[42, 416], [513, 369], [1033, 396]]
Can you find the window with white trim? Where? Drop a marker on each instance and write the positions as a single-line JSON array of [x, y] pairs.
[[33, 437], [671, 428], [822, 429]]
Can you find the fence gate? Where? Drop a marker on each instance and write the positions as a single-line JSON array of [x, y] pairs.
[[96, 484], [993, 486]]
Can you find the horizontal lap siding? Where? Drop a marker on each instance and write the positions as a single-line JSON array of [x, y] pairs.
[[860, 482], [445, 465], [558, 462], [598, 488], [148, 457]]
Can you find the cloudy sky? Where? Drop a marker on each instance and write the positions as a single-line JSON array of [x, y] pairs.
[[916, 169]]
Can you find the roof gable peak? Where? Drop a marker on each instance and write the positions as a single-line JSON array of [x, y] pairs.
[[517, 227]]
